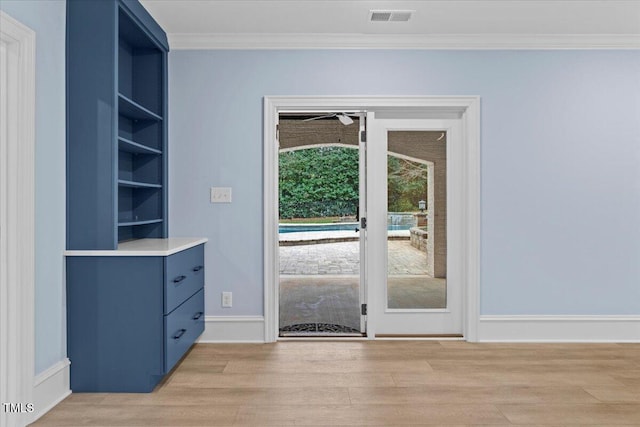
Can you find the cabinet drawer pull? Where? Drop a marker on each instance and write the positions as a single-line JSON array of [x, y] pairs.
[[179, 334], [198, 268], [179, 279], [197, 315]]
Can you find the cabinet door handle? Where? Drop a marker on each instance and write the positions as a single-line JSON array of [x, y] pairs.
[[179, 334], [197, 315], [198, 268], [179, 279]]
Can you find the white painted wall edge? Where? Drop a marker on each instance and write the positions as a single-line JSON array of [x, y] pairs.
[[403, 41], [549, 328], [51, 387], [233, 329]]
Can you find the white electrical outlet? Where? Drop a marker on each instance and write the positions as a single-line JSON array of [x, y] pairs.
[[220, 194], [227, 299]]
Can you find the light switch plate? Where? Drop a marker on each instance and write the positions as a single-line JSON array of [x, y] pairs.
[[220, 194], [227, 299]]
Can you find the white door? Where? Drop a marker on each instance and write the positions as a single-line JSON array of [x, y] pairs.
[[415, 223]]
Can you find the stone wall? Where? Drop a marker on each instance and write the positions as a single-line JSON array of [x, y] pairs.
[[419, 238]]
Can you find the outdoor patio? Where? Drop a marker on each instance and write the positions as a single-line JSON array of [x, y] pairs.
[[319, 282]]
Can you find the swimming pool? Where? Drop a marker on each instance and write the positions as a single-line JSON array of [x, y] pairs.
[[349, 226]]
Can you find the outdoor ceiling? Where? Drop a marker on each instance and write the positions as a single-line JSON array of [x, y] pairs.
[[239, 23]]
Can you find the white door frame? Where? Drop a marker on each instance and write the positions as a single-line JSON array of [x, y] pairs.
[[465, 108], [362, 213], [17, 190]]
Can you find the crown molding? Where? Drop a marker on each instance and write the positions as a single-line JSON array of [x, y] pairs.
[[188, 41]]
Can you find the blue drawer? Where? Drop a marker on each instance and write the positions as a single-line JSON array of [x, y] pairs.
[[182, 327], [184, 275]]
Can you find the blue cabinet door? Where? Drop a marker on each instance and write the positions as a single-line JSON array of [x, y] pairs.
[[115, 323], [182, 327], [184, 276]]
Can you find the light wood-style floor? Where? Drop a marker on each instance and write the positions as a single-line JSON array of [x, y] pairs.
[[380, 383]]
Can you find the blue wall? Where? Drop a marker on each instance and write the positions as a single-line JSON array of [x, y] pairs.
[[47, 19], [560, 163]]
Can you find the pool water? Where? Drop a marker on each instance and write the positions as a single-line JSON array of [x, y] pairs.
[[350, 226]]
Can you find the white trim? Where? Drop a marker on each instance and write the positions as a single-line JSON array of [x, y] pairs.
[[402, 41], [467, 108], [271, 219], [548, 328], [51, 387], [17, 135], [233, 329]]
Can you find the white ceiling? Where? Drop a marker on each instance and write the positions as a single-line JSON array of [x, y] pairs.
[[435, 23]]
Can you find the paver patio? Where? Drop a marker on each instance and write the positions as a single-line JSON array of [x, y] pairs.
[[344, 258], [319, 282]]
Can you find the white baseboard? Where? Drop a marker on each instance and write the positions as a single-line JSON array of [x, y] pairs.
[[50, 388], [559, 329], [233, 329], [543, 328]]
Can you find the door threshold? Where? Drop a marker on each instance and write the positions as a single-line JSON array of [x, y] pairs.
[[318, 335], [422, 336]]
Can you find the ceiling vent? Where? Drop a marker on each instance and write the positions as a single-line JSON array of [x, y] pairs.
[[390, 15]]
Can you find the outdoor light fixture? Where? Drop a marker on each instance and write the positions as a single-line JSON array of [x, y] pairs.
[[422, 205]]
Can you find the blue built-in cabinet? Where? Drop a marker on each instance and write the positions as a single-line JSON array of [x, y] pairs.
[[135, 297], [117, 124], [133, 313]]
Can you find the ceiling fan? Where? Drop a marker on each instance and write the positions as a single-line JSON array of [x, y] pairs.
[[343, 117]]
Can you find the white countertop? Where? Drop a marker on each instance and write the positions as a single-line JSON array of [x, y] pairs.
[[144, 247]]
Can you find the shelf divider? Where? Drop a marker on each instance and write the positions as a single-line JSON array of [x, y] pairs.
[[133, 223], [129, 108], [129, 146], [136, 184]]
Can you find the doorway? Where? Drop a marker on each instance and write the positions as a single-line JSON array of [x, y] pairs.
[[462, 133], [321, 244]]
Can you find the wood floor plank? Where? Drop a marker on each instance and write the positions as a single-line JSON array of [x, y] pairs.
[[508, 378], [365, 415], [463, 394], [533, 365], [629, 378], [189, 396], [579, 414], [141, 415], [165, 415], [328, 366], [207, 380], [616, 394]]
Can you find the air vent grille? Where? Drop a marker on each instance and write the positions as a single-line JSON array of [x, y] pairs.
[[380, 16], [400, 16], [390, 15]]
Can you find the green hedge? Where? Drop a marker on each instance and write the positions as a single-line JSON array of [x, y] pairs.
[[323, 181]]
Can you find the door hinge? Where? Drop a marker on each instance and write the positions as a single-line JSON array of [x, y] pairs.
[[364, 309], [363, 136], [363, 223], [277, 132]]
